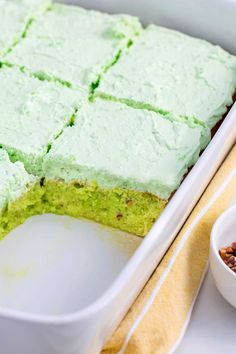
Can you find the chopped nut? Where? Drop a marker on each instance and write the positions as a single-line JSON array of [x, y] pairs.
[[129, 202], [222, 253], [233, 245], [228, 255], [119, 216], [231, 261], [78, 185]]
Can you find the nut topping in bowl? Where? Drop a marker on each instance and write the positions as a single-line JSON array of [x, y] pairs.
[[228, 255]]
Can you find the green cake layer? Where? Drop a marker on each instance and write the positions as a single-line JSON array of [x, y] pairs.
[[14, 180], [74, 45], [169, 72], [117, 146], [125, 209], [15, 18], [20, 194], [33, 114]]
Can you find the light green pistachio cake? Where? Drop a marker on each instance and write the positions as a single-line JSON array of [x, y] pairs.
[[118, 158], [33, 114], [74, 45], [177, 75], [120, 165], [20, 194], [15, 18]]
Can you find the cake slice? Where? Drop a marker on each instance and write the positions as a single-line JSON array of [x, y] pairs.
[[20, 194], [74, 45], [33, 114], [119, 165], [15, 18], [174, 74]]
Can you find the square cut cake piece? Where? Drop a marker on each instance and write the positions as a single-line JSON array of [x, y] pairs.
[[14, 180], [119, 165], [177, 75], [15, 17], [20, 194], [74, 45], [33, 114]]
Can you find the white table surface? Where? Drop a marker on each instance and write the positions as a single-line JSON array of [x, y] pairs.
[[212, 326]]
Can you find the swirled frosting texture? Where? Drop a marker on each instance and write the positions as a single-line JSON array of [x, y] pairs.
[[73, 44], [14, 180], [33, 114], [118, 146], [180, 76], [14, 18]]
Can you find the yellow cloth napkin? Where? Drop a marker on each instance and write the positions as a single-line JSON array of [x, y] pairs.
[[157, 320]]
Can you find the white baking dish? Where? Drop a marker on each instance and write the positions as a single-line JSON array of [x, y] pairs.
[[83, 284]]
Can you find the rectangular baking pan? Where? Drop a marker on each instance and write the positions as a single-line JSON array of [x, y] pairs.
[[84, 330]]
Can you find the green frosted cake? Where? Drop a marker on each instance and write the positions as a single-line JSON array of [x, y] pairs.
[[15, 181], [73, 45], [176, 75], [100, 118], [122, 164], [33, 114], [15, 18], [118, 146], [20, 194]]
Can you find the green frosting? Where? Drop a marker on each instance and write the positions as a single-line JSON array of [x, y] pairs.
[[74, 45], [15, 17], [117, 146], [15, 181], [33, 114], [174, 74]]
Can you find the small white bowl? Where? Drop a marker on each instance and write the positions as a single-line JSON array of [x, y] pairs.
[[222, 235]]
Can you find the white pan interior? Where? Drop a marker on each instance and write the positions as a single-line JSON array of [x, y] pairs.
[[55, 265]]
